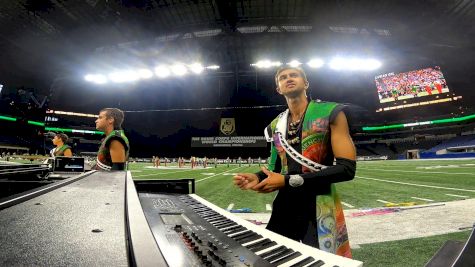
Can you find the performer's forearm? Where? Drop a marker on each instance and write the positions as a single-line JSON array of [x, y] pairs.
[[344, 170]]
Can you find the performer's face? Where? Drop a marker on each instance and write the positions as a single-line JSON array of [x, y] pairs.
[[291, 83], [56, 140], [102, 121]]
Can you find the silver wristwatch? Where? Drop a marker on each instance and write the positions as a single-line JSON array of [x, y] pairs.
[[295, 180]]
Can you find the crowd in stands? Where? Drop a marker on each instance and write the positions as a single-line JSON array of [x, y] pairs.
[[411, 83]]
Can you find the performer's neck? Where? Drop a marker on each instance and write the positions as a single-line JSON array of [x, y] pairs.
[[297, 106], [109, 130], [60, 145]]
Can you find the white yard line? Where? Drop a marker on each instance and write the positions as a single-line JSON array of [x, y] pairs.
[[391, 170], [347, 205], [197, 181], [383, 201], [268, 207], [456, 196], [424, 199], [159, 173], [420, 185], [230, 206]]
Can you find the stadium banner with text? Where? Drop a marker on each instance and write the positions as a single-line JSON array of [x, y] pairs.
[[229, 141]]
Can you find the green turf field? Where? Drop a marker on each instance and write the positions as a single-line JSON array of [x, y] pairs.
[[375, 184]]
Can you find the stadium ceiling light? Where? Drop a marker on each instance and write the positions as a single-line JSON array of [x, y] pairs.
[[96, 78], [265, 64], [294, 63], [196, 68], [145, 73], [123, 76], [315, 63], [162, 71], [372, 64], [179, 69], [213, 67]]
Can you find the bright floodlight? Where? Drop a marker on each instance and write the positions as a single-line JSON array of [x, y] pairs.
[[96, 78], [294, 63], [339, 63], [178, 69], [196, 68], [213, 67], [145, 73], [315, 63], [123, 76], [264, 64], [162, 71], [372, 64]]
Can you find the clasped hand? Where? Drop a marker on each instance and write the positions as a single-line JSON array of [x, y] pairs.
[[274, 181]]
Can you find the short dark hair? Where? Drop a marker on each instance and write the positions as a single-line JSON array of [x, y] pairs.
[[116, 114], [281, 69], [62, 136]]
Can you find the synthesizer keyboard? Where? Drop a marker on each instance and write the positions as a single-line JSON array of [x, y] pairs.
[[191, 231]]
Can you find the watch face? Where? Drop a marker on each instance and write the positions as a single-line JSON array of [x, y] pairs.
[[295, 180]]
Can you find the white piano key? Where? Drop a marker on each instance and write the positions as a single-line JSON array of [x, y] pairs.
[[329, 258], [253, 241]]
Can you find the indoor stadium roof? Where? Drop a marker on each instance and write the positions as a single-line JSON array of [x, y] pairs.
[[41, 40]]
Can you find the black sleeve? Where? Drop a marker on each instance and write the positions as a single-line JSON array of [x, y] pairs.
[[121, 140], [344, 170], [116, 166], [278, 167], [335, 111]]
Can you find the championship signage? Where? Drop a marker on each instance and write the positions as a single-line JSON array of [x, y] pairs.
[[229, 141], [228, 126]]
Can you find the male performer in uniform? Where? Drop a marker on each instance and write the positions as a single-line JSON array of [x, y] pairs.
[[61, 149], [114, 150], [306, 140]]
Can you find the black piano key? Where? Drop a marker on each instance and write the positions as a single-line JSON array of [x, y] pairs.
[[216, 220], [279, 255], [241, 237], [249, 239], [235, 230], [303, 262], [259, 243], [226, 225], [222, 223], [272, 252], [206, 215], [286, 258], [219, 221], [317, 264], [241, 234], [263, 246], [213, 217], [231, 228]]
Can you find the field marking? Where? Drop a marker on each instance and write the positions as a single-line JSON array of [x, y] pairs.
[[230, 206], [159, 173], [424, 199], [456, 195], [268, 207], [386, 170], [421, 185], [215, 175], [347, 205], [383, 201]]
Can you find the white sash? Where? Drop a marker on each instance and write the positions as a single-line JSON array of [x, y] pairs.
[[281, 130]]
